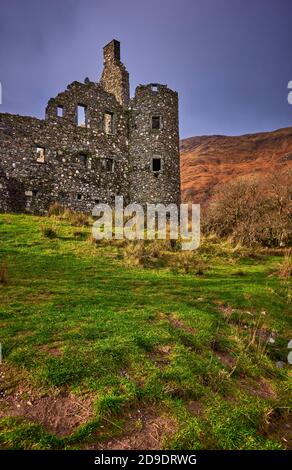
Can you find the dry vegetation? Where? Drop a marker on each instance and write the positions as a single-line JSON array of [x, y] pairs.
[[254, 211]]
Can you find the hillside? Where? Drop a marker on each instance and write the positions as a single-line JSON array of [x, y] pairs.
[[210, 160]]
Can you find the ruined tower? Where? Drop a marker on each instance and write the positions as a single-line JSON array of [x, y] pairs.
[[115, 78], [95, 143], [154, 145]]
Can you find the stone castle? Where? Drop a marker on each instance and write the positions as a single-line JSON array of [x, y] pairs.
[[95, 143]]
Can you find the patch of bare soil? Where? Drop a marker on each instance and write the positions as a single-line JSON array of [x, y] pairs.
[[178, 323], [53, 349], [262, 388], [39, 296], [195, 407], [161, 356], [59, 413], [279, 428], [226, 309], [226, 359], [144, 430]]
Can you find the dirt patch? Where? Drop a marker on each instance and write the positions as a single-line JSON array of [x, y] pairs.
[[195, 407], [24, 334], [279, 428], [161, 356], [226, 359], [54, 349], [226, 309], [262, 388], [59, 414], [178, 323], [145, 430], [39, 296]]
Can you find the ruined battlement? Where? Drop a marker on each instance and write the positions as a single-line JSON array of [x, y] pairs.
[[93, 144]]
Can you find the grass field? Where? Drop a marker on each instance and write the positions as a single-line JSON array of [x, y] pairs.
[[99, 354]]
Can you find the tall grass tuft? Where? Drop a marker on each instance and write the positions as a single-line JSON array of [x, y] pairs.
[[48, 232]]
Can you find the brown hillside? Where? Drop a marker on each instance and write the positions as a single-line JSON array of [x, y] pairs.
[[210, 160]]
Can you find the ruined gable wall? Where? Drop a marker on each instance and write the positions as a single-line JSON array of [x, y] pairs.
[[63, 176]]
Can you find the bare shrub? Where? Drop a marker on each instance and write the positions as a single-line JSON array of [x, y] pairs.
[[252, 211]]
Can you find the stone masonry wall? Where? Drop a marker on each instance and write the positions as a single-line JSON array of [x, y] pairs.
[[64, 175], [115, 78], [146, 143], [78, 164]]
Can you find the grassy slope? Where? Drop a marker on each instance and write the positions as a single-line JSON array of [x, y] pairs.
[[108, 318]]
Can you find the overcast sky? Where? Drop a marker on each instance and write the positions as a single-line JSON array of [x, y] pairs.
[[229, 60]]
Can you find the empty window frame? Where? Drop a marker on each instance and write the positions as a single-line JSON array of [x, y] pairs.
[[31, 192], [108, 164], [156, 164], [109, 125], [60, 111], [156, 122], [40, 154], [82, 158], [79, 197], [154, 87], [82, 115]]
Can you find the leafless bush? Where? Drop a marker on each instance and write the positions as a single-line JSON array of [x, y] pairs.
[[253, 211]]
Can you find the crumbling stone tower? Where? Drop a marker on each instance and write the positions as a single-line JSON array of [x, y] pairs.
[[95, 143], [154, 145]]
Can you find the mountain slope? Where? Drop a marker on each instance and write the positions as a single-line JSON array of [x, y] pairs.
[[207, 161]]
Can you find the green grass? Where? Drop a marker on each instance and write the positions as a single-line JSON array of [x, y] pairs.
[[109, 320]]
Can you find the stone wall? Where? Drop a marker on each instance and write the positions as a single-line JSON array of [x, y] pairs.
[[115, 78], [74, 161], [80, 163]]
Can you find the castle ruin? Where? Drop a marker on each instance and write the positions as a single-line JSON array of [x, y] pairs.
[[95, 143]]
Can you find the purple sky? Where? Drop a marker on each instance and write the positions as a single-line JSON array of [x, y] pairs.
[[229, 60]]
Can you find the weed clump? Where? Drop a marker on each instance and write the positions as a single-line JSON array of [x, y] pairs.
[[78, 219], [285, 270], [189, 262], [134, 253], [48, 232], [56, 209]]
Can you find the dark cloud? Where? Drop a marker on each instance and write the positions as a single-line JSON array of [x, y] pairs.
[[230, 60]]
